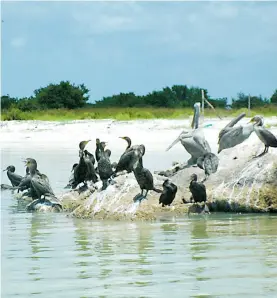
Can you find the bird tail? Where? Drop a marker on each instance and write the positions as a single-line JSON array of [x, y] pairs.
[[157, 190]]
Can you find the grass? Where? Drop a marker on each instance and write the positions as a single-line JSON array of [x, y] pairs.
[[126, 113]]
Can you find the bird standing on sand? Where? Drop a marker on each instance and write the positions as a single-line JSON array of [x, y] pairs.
[[197, 189], [168, 194], [263, 134]]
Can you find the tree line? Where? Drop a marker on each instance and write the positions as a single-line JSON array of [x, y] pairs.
[[70, 96]]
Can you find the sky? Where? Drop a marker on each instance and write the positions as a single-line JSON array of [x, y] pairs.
[[113, 47]]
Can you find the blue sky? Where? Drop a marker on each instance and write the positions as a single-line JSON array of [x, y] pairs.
[[226, 47]]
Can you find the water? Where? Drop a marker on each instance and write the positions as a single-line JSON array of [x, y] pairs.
[[52, 255]]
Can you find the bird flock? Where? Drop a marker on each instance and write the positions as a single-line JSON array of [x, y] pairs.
[[131, 161]]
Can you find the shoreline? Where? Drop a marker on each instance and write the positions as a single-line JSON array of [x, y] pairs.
[[241, 184]]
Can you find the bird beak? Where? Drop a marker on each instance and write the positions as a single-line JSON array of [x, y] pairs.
[[121, 138], [5, 170], [251, 121]]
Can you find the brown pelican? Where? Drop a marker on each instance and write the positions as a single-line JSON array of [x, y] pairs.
[[231, 136], [263, 134], [193, 141]]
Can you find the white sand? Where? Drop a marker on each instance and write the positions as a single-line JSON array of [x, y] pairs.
[[156, 135]]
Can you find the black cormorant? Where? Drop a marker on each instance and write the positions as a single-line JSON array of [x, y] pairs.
[[168, 194], [143, 177], [39, 182], [129, 157], [104, 166], [13, 177], [89, 159], [197, 189]]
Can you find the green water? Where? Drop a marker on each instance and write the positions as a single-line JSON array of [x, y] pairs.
[[52, 255]]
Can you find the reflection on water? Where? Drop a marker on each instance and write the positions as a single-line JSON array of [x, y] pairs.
[[52, 255]]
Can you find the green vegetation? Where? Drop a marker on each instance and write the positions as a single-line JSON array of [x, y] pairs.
[[66, 101]]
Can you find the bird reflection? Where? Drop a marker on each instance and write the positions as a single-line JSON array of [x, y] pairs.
[[83, 247], [39, 222], [199, 246]]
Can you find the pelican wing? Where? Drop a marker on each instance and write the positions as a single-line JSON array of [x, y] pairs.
[[199, 138], [230, 124]]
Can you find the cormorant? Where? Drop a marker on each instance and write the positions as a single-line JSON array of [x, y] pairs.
[[231, 136], [168, 194], [13, 177], [263, 134], [98, 149], [91, 175], [143, 177], [104, 166], [90, 156], [194, 141], [80, 171], [39, 182], [209, 163], [197, 189], [129, 157], [71, 178]]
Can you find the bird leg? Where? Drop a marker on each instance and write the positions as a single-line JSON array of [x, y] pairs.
[[263, 153], [139, 197]]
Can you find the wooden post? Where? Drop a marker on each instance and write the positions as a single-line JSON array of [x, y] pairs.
[[249, 107], [203, 98]]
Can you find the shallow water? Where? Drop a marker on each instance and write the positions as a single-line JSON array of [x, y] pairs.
[[52, 255]]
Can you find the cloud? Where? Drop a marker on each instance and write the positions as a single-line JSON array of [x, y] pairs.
[[18, 42]]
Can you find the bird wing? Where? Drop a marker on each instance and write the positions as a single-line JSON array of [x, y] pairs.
[[126, 159], [15, 178], [211, 163], [268, 136], [230, 124], [199, 138]]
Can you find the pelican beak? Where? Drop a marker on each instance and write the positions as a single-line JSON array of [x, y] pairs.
[[174, 143]]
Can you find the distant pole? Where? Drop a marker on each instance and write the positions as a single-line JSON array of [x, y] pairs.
[[203, 99], [249, 107]]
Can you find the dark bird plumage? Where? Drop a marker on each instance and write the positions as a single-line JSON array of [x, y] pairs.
[[144, 178], [104, 166], [263, 134], [198, 190], [129, 157], [209, 163], [168, 194], [13, 177], [39, 182], [80, 171], [91, 175]]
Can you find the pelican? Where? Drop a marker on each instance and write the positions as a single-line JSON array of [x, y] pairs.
[[193, 141], [263, 134], [231, 136]]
